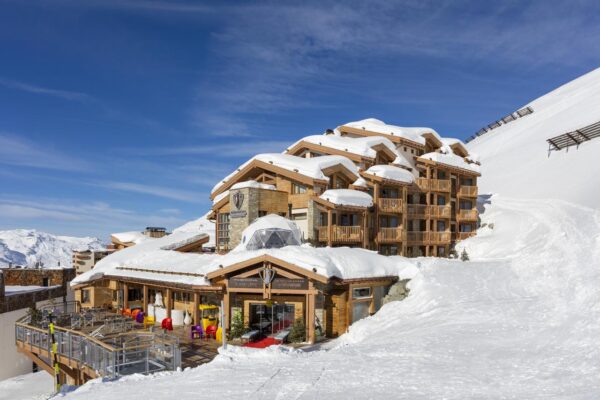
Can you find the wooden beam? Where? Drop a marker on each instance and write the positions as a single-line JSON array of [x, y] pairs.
[[125, 296], [145, 298], [169, 302], [329, 228], [196, 312]]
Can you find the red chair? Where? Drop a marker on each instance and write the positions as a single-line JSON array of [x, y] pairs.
[[211, 331], [167, 324]]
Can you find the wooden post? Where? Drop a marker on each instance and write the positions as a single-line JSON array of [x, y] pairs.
[[404, 220], [196, 312], [329, 228], [169, 302], [376, 222], [310, 312], [218, 246], [365, 230], [125, 296]]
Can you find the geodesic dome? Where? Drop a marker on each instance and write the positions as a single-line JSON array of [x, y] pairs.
[[271, 232]]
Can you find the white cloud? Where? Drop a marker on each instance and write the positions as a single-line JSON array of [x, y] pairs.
[[168, 193], [30, 88]]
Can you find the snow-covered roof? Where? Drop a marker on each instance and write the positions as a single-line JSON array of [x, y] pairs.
[[402, 161], [360, 182], [18, 289], [362, 146], [200, 225], [446, 156], [157, 262], [348, 197], [413, 134], [391, 173], [310, 167], [130, 237], [242, 185]]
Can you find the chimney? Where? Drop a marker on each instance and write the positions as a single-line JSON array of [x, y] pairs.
[[155, 231]]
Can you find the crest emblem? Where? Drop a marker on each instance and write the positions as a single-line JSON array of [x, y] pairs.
[[267, 275], [238, 200]]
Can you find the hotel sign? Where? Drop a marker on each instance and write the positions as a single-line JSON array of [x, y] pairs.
[[278, 283]]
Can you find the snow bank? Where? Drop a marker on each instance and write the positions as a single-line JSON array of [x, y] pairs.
[[200, 225], [130, 237], [348, 197], [391, 173]]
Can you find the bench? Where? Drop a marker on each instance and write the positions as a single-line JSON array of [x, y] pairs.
[[250, 336]]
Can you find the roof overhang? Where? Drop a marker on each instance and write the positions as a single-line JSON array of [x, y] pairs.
[[332, 206], [304, 145], [446, 166], [379, 179], [393, 138]]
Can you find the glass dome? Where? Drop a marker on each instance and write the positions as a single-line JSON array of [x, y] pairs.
[[271, 238]]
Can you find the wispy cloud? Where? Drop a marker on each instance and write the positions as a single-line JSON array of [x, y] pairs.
[[20, 152], [31, 88], [158, 191], [222, 150]]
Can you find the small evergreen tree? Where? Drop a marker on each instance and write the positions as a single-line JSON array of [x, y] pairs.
[[35, 316], [464, 256], [298, 331], [237, 325]]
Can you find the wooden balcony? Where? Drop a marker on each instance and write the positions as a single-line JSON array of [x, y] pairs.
[[463, 235], [341, 234], [390, 235], [434, 185], [417, 210], [429, 237], [390, 205], [467, 191], [440, 211], [467, 215]]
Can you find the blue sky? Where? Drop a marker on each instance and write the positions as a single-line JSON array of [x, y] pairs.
[[116, 115]]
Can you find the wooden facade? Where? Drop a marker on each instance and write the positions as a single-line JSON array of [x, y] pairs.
[[424, 218]]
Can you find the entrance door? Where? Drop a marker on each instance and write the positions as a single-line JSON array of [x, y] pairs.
[[270, 319]]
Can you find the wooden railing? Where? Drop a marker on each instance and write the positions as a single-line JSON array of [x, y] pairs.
[[463, 235], [429, 237], [417, 210], [390, 235], [390, 205], [440, 211], [435, 185], [348, 234], [468, 191], [468, 215]]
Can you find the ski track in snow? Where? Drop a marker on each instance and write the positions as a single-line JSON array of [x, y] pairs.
[[521, 320]]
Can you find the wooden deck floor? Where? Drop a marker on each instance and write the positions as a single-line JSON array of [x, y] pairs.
[[197, 351]]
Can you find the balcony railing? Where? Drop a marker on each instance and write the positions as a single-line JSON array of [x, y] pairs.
[[468, 215], [429, 237], [463, 235], [343, 234], [434, 185], [467, 191], [440, 211], [390, 205], [417, 210], [390, 235]]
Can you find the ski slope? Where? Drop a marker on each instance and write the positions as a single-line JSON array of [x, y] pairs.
[[26, 247], [514, 157]]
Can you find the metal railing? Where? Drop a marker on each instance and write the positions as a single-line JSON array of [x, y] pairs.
[[125, 354]]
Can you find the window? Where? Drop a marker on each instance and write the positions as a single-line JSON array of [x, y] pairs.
[[466, 228], [390, 193], [340, 184], [412, 151], [183, 297], [441, 251], [135, 294], [85, 296], [441, 226], [361, 293], [44, 281], [223, 229], [441, 175], [360, 310], [298, 189], [441, 201], [405, 148]]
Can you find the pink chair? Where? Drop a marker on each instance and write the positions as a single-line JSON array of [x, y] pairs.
[[197, 331]]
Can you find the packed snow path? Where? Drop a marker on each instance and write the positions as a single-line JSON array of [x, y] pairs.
[[521, 320]]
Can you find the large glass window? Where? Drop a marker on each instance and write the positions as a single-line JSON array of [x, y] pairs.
[[223, 229], [361, 293], [85, 296]]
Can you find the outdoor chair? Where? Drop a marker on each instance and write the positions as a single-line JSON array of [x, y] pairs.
[[211, 331], [149, 321], [167, 324], [197, 331], [140, 317], [126, 312], [134, 313]]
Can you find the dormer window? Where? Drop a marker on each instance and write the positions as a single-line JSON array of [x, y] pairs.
[[298, 189]]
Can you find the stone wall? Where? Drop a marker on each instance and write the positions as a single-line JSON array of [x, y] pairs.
[[312, 215]]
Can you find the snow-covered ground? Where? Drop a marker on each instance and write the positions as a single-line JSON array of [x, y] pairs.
[[520, 320], [515, 160], [26, 247], [35, 386]]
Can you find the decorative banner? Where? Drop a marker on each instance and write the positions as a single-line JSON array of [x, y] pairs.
[[238, 199]]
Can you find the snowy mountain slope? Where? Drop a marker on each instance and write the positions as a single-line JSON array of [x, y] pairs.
[[521, 320], [27, 246], [200, 225], [515, 159]]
